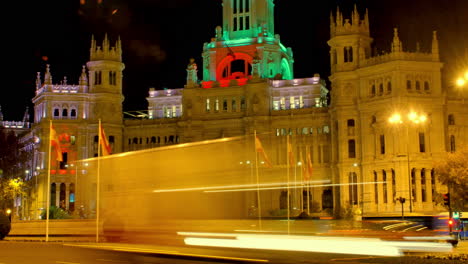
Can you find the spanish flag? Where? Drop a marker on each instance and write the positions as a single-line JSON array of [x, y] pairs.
[[259, 149], [54, 141], [106, 148]]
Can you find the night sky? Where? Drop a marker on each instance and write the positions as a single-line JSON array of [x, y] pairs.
[[159, 37]]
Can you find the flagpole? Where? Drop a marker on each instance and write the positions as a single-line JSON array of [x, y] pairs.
[[308, 179], [287, 175], [48, 182], [259, 207], [97, 182], [302, 185]]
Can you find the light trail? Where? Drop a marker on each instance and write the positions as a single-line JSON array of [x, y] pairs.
[[207, 188], [291, 186], [340, 245]]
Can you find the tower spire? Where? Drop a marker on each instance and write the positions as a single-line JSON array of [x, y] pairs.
[[26, 115], [435, 46], [83, 78], [38, 81], [396, 44], [48, 76]]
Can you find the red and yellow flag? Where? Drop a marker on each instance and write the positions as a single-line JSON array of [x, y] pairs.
[[54, 141], [290, 153], [106, 148], [259, 149], [309, 164]]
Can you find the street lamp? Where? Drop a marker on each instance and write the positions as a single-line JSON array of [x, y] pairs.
[[415, 118]]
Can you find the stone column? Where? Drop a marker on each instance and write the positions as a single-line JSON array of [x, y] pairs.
[[57, 194], [390, 199], [67, 195], [380, 193], [429, 189], [418, 198]]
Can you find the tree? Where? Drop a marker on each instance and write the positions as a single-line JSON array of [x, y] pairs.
[[452, 171], [12, 160]]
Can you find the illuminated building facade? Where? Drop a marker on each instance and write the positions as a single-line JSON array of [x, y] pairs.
[[248, 86]]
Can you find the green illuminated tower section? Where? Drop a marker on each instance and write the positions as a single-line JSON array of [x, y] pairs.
[[246, 45]]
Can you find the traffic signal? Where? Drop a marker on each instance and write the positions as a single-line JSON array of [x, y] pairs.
[[446, 199], [450, 222]]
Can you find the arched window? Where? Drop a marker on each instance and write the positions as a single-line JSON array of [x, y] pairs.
[[451, 120], [389, 87], [64, 112], [56, 112], [73, 113], [135, 140], [153, 140], [381, 89], [418, 86], [408, 84], [373, 90]]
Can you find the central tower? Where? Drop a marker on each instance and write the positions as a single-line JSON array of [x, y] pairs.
[[246, 46]]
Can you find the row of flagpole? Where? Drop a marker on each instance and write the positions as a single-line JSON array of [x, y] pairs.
[[306, 173], [104, 149]]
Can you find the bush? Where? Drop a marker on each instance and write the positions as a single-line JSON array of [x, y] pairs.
[[56, 213]]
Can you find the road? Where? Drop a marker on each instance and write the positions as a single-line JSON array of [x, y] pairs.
[[17, 252]]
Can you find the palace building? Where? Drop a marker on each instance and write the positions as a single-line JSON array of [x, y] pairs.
[[374, 134]]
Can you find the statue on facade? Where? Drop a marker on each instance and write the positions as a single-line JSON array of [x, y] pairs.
[[192, 78]]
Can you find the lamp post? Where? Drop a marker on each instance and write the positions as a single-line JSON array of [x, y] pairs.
[[402, 201], [414, 118]]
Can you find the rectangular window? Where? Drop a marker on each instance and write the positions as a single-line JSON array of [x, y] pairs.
[[317, 102], [217, 105], [63, 164], [382, 144], [207, 104], [301, 102], [276, 105], [292, 104], [241, 23], [174, 111], [283, 103], [225, 105], [234, 105], [247, 22], [351, 148], [422, 144], [243, 103], [235, 24]]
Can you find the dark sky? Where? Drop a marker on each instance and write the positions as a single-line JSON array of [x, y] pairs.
[[159, 37]]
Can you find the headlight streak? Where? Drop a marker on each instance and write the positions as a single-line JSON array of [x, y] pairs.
[[291, 186], [233, 186], [341, 245]]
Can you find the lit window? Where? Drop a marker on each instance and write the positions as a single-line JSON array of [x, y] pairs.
[[174, 112], [207, 104], [301, 102], [276, 105], [217, 105], [292, 104], [283, 103]]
